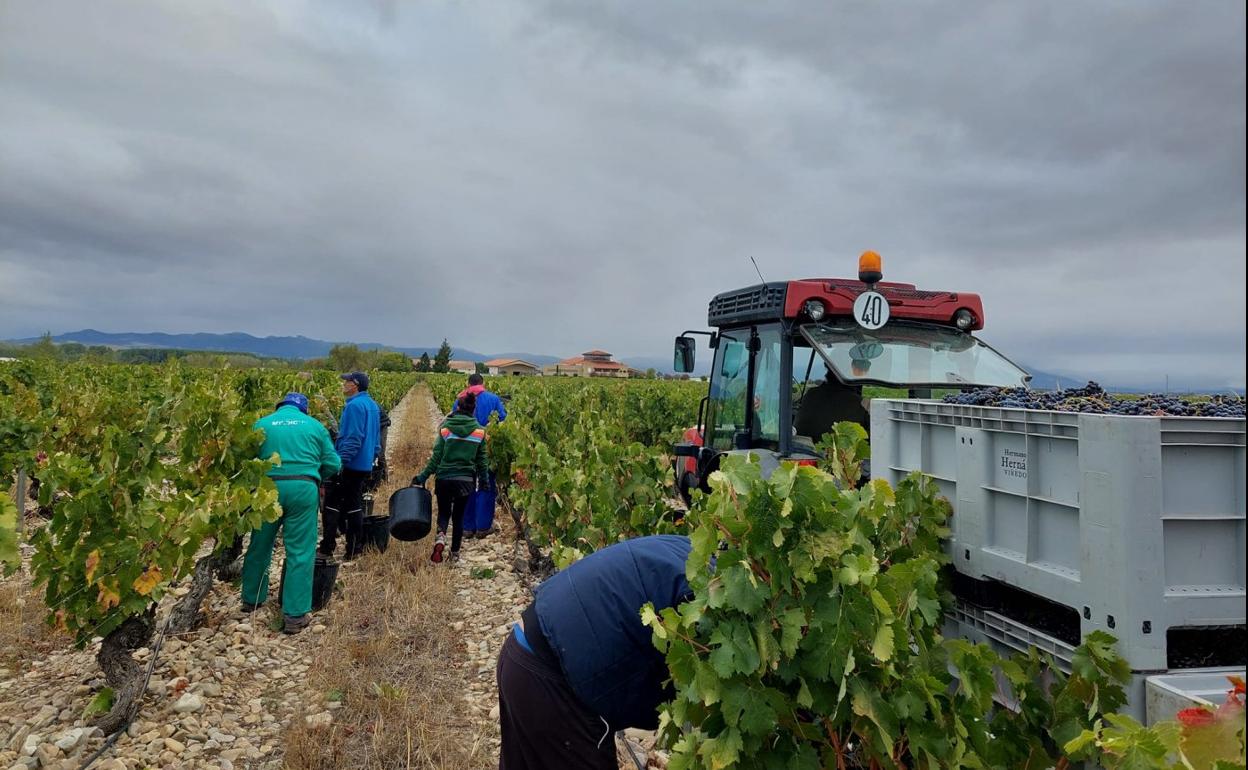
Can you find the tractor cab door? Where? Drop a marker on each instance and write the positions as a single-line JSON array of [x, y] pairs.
[[744, 406]]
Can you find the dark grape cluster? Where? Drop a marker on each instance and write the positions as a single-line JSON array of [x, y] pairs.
[[1093, 399]]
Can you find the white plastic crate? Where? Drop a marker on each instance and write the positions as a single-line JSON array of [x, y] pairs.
[[1150, 698], [1167, 694], [1136, 523]]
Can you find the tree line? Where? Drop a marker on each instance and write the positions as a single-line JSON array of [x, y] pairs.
[[343, 357]]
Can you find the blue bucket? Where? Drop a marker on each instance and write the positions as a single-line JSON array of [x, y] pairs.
[[479, 513]]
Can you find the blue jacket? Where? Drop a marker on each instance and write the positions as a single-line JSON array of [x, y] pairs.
[[359, 433], [590, 615], [487, 402]]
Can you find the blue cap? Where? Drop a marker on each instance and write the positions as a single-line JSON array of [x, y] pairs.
[[297, 400], [359, 378]]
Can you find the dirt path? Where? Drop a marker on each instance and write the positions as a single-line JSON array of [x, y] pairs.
[[488, 599], [381, 666], [492, 586]]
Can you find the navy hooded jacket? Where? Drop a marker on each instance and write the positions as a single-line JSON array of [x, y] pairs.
[[590, 615]]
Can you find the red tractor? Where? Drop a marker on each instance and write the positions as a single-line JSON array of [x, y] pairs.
[[791, 359]]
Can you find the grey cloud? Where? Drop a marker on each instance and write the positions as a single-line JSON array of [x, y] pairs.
[[584, 174], [1110, 118]]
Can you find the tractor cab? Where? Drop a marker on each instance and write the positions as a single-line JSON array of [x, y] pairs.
[[792, 358]]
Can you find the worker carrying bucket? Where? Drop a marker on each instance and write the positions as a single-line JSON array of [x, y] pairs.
[[458, 462], [580, 664], [479, 510], [305, 456]]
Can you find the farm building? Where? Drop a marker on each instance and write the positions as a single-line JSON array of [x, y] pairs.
[[593, 363], [512, 367], [459, 367]]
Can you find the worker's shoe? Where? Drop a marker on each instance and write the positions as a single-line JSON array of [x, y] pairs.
[[439, 545], [248, 607], [294, 625], [454, 557]]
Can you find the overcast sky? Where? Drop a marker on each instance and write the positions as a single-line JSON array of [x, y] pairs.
[[556, 176]]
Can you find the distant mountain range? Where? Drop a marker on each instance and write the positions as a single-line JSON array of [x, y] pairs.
[[301, 347]]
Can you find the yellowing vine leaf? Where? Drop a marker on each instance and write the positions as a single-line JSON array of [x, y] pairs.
[[10, 556], [148, 581], [93, 562], [108, 597]]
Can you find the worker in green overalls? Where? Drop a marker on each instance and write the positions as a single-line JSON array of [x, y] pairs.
[[306, 456]]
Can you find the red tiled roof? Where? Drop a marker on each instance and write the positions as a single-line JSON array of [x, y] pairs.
[[598, 364], [596, 353], [581, 361], [508, 362]]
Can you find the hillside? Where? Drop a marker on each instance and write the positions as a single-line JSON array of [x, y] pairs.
[[297, 347]]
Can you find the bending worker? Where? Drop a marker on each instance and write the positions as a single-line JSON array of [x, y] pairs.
[[580, 664], [306, 455], [359, 437]]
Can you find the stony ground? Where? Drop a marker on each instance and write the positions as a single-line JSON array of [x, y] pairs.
[[237, 693]]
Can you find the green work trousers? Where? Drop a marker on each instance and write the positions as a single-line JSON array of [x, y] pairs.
[[299, 501]]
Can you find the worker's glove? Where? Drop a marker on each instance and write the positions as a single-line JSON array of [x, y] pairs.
[[418, 481]]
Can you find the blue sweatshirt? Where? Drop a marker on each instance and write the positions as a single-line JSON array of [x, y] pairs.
[[359, 433], [487, 402]]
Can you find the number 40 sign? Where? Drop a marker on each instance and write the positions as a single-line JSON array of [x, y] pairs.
[[871, 310]]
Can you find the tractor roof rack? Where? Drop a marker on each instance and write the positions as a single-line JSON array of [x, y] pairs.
[[788, 299]]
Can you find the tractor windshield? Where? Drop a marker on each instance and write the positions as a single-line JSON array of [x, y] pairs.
[[911, 355]]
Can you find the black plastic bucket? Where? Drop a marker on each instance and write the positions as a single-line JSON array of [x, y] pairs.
[[376, 535], [411, 513], [324, 576]]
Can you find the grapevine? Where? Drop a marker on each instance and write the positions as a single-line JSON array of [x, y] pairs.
[[813, 641], [589, 457], [141, 467]]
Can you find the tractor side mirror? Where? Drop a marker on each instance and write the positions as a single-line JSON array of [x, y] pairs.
[[684, 354]]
